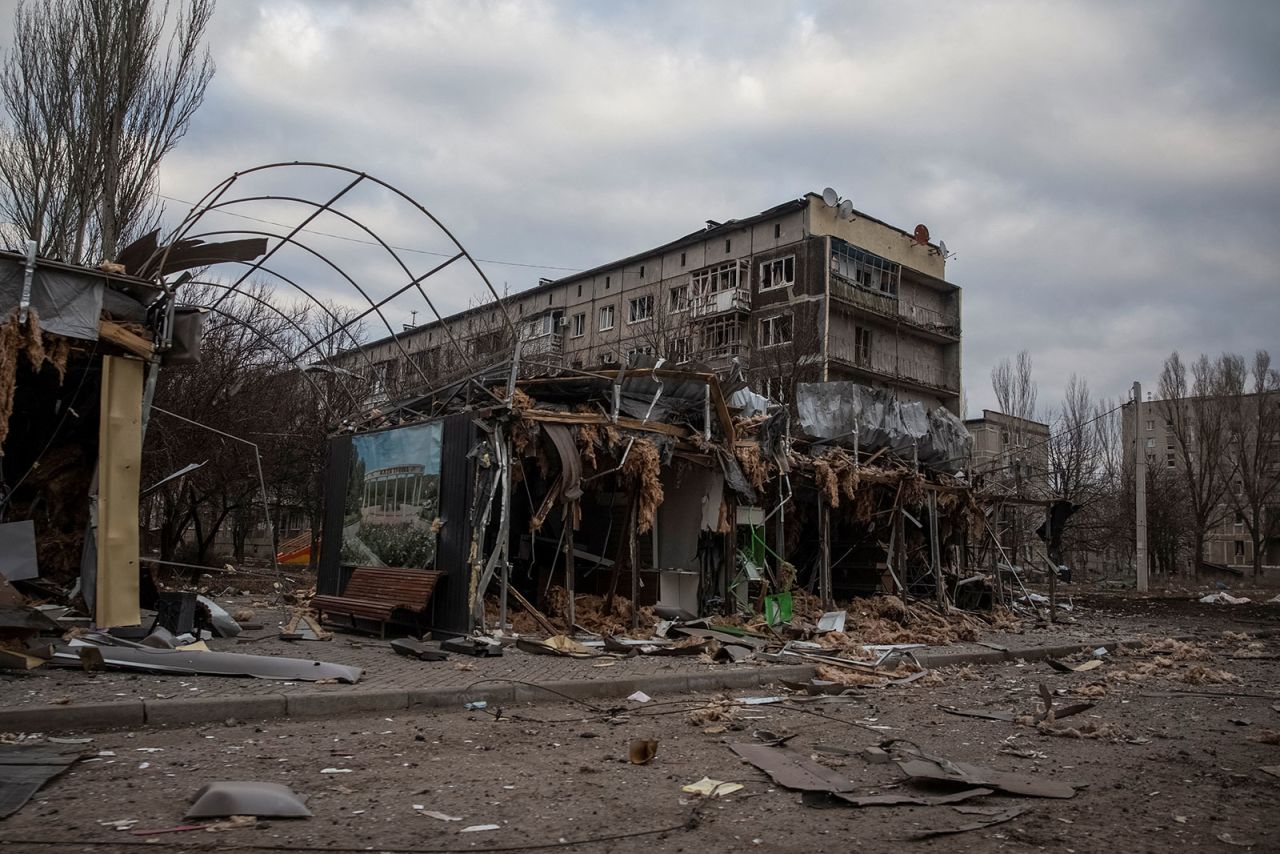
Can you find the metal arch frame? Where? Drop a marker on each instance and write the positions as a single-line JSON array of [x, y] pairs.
[[341, 272], [293, 359], [212, 200], [414, 281], [341, 327], [273, 345]]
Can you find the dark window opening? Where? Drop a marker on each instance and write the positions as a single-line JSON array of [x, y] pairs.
[[777, 230]]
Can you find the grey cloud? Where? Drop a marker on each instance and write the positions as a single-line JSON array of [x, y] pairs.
[[1106, 173]]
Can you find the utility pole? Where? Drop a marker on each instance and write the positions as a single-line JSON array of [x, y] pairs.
[[1140, 489]]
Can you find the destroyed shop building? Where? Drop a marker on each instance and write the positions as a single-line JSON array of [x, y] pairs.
[[642, 492], [80, 349]]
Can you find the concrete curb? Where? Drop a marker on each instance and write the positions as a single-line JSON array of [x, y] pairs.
[[131, 714]]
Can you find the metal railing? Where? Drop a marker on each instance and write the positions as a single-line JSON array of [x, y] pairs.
[[886, 305]]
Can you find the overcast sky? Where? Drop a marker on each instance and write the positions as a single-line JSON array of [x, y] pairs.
[[1107, 174]]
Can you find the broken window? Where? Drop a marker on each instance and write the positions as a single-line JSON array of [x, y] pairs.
[[579, 325], [864, 269], [678, 298], [862, 351], [775, 330], [714, 279], [640, 308], [1151, 424], [681, 259], [777, 230], [606, 318], [1240, 549], [778, 273], [679, 351], [644, 350]]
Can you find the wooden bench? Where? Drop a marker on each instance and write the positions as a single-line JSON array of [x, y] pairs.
[[377, 592]]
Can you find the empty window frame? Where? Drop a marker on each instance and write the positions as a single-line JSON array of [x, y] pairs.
[[775, 330], [679, 350], [716, 278], [640, 308], [579, 326], [864, 269], [643, 350], [862, 347], [678, 298], [720, 337], [608, 316], [778, 273]]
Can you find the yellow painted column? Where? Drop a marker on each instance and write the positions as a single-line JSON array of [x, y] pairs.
[[119, 469]]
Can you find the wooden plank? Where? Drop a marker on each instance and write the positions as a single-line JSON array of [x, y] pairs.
[[722, 410], [537, 615], [119, 467], [123, 338], [553, 417]]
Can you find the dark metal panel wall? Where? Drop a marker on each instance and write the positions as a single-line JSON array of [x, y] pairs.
[[337, 471], [449, 604]]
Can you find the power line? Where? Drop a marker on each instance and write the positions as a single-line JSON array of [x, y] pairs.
[[372, 242]]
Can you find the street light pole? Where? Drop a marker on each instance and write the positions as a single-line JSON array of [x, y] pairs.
[[1140, 491]]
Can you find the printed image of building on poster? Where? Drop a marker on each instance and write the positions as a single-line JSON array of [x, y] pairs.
[[393, 497]]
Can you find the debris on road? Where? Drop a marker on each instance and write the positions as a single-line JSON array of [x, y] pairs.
[[252, 798], [709, 788], [24, 769], [642, 751], [790, 769], [998, 818], [419, 650]]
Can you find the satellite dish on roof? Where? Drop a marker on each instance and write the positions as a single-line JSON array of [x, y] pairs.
[[921, 234], [831, 197], [846, 209], [942, 248]]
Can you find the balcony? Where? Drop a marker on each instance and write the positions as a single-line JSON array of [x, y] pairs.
[[886, 365], [936, 323], [723, 302]]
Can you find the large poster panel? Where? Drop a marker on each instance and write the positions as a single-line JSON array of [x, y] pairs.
[[393, 497]]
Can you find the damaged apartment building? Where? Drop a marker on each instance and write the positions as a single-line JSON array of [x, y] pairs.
[[809, 290]]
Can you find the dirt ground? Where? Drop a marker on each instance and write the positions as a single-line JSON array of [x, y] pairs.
[[1179, 735]]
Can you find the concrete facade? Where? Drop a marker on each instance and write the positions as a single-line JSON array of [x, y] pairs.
[[795, 293], [1000, 441]]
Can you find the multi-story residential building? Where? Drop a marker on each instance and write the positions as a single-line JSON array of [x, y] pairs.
[[1228, 542], [1007, 449], [803, 291]]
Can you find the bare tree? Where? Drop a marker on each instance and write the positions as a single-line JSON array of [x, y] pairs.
[[1016, 391], [1197, 419], [96, 93], [1253, 442], [1014, 387]]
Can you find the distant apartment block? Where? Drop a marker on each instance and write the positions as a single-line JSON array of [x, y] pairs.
[[1228, 543], [1007, 448], [799, 292]]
